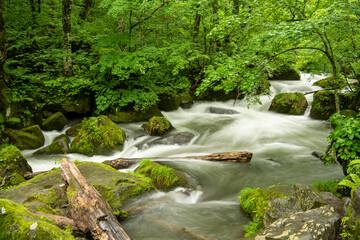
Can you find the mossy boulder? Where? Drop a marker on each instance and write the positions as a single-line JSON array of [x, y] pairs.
[[289, 103], [128, 116], [185, 100], [14, 123], [157, 126], [168, 101], [219, 95], [163, 177], [285, 72], [74, 130], [116, 187], [73, 105], [26, 138], [56, 121], [328, 83], [59, 146], [4, 98], [98, 135], [323, 105], [13, 166], [16, 222]]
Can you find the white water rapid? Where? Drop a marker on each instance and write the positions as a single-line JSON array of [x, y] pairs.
[[281, 145]]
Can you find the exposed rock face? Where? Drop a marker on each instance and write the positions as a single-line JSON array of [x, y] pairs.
[[74, 130], [179, 139], [59, 146], [157, 126], [280, 208], [134, 116], [290, 103], [98, 135], [26, 138], [355, 202], [319, 223], [19, 223], [56, 121], [12, 167], [217, 110], [185, 100], [308, 197], [285, 72]]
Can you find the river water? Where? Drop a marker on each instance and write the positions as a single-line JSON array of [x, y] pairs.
[[281, 145]]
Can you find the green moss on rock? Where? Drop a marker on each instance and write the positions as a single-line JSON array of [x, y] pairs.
[[19, 223], [98, 135], [26, 138], [323, 105], [168, 101], [134, 116], [13, 165], [14, 123], [59, 146], [163, 177], [56, 121], [285, 72], [328, 84], [157, 126], [74, 130], [290, 103]]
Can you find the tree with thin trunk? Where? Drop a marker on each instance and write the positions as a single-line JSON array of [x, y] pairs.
[[66, 23]]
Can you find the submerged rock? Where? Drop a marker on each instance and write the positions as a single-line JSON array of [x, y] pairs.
[[56, 121], [26, 138], [319, 223], [290, 103], [98, 135], [217, 110], [59, 146], [157, 126], [16, 222], [178, 139], [134, 116]]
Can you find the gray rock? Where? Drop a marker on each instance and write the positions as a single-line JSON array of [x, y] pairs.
[[217, 110], [355, 202], [319, 223], [279, 208], [179, 139], [308, 197], [334, 202]]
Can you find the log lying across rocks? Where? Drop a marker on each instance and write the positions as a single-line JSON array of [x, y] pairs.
[[88, 207], [237, 157]]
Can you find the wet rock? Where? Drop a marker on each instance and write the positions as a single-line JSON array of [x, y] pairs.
[[56, 121], [19, 223], [178, 139], [157, 126], [74, 130], [279, 208], [328, 84], [334, 202], [217, 110], [98, 135], [134, 116], [320, 223], [13, 166], [59, 146], [26, 138], [355, 202], [323, 105], [168, 101], [285, 72], [185, 100], [289, 103], [308, 197]]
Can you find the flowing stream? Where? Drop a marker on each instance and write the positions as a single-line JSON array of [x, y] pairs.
[[281, 145]]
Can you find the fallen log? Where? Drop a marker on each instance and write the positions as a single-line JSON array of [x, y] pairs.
[[88, 207], [177, 229], [62, 222], [237, 157]]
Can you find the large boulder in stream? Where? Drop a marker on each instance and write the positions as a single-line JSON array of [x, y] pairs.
[[98, 135], [60, 145], [56, 121], [129, 116], [13, 166], [157, 126], [218, 110], [285, 72], [17, 222], [289, 103], [26, 138], [177, 139]]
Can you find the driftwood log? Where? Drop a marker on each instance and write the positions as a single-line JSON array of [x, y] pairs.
[[88, 207], [236, 157]]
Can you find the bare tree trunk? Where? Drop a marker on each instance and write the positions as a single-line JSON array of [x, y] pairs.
[[196, 26], [66, 22], [86, 7], [88, 207], [3, 46]]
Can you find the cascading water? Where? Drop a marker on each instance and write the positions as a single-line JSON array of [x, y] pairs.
[[281, 145]]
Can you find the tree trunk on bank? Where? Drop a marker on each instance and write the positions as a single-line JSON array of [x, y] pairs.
[[88, 207], [66, 22], [3, 47]]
